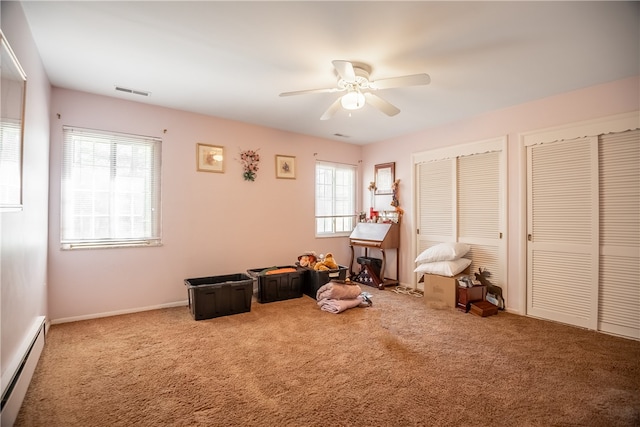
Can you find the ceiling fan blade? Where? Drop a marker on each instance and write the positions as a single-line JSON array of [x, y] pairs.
[[382, 105], [345, 70], [331, 110], [302, 92], [403, 81]]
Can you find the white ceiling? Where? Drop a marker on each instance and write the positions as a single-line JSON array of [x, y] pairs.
[[232, 59]]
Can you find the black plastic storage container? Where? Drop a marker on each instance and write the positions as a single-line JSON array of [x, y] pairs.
[[280, 286], [217, 296], [316, 278]]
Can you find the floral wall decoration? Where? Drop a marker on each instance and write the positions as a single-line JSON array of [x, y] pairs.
[[372, 210], [394, 199], [372, 188], [250, 160]]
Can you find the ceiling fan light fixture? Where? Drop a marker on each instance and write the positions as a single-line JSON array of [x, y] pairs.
[[352, 100]]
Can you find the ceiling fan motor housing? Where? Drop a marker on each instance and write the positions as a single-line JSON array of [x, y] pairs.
[[361, 81]]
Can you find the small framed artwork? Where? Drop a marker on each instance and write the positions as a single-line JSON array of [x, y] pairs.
[[285, 167], [209, 158]]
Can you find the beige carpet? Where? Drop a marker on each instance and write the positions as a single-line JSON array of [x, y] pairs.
[[287, 363]]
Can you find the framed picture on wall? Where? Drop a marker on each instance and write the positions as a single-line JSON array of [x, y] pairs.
[[209, 158], [285, 167]]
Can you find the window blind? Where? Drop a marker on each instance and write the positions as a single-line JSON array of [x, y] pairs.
[[335, 198], [110, 189], [10, 163]]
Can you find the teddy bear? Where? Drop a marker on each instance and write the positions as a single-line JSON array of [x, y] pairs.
[[327, 264], [307, 259]]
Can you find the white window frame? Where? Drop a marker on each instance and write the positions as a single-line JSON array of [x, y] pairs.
[[348, 216], [101, 187]]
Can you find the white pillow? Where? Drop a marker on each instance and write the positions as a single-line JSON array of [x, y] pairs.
[[443, 252], [444, 268]]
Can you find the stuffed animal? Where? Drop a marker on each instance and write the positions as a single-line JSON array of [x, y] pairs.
[[327, 264], [308, 259]]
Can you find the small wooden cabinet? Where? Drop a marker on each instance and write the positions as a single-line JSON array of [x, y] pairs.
[[468, 295]]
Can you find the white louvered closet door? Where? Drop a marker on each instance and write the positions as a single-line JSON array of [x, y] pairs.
[[619, 294], [562, 249], [479, 219], [436, 207]]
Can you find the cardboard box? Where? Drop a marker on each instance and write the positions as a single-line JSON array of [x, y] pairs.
[[441, 291]]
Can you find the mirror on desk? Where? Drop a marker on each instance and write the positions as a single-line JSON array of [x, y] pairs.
[[385, 175]]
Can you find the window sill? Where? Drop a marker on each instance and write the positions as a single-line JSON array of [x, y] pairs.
[[109, 245]]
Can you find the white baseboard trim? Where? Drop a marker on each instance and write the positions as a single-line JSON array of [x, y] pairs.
[[119, 312], [18, 377]]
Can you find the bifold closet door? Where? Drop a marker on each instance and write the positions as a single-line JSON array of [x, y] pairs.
[[479, 219], [619, 292], [562, 231], [436, 203], [460, 200]]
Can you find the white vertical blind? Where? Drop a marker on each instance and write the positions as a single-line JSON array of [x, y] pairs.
[[619, 293]]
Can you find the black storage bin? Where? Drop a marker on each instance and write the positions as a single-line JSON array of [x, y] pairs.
[[374, 263], [316, 278], [217, 296], [278, 287]]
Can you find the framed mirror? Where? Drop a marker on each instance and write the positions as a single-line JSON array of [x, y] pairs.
[[13, 86], [385, 175]]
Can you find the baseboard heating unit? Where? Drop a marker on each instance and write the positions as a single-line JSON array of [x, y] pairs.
[[19, 375]]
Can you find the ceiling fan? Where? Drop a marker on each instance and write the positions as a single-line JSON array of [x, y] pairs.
[[353, 78]]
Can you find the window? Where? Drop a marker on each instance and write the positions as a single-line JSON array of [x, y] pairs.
[[110, 193], [335, 199], [10, 164]]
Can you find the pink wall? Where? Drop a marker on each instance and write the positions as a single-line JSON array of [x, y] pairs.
[[590, 103], [23, 234], [217, 223], [212, 223]]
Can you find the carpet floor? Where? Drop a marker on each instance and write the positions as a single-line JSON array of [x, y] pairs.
[[287, 363]]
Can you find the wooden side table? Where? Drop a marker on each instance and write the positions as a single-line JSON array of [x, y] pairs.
[[468, 295]]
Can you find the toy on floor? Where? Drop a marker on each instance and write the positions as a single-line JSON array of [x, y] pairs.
[[328, 263], [308, 259]]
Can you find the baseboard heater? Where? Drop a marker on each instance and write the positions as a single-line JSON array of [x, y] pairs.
[[16, 389]]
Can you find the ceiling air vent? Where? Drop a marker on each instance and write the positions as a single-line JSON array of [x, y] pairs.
[[339, 135], [133, 91]]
